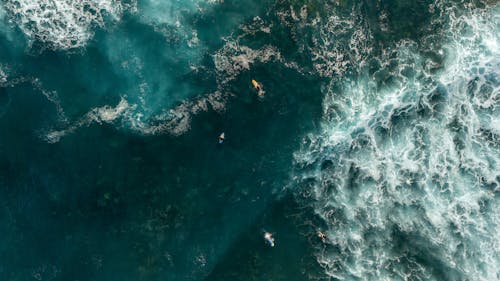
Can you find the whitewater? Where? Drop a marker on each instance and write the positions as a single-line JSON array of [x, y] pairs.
[[405, 173]]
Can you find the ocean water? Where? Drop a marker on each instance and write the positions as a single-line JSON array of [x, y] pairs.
[[379, 127]]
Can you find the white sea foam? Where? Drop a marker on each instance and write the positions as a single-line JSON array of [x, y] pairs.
[[406, 172], [234, 58], [342, 43], [177, 120], [337, 42], [104, 114], [3, 76], [255, 26], [62, 24]]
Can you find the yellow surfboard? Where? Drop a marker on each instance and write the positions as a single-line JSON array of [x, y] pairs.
[[257, 86]]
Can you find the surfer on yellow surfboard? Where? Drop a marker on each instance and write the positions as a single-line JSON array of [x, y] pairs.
[[258, 87]]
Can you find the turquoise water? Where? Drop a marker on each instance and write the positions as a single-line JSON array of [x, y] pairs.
[[379, 127]]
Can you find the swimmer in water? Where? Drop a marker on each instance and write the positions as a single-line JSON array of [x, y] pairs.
[[222, 137], [269, 238], [322, 236], [258, 87]]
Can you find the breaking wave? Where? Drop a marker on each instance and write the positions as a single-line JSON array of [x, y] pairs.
[[405, 174], [62, 24]]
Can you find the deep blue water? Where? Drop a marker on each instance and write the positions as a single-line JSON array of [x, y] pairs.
[[379, 127]]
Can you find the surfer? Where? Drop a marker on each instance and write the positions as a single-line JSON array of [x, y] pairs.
[[222, 137], [269, 238], [322, 236], [258, 87]]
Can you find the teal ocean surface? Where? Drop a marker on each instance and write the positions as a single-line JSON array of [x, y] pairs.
[[373, 153]]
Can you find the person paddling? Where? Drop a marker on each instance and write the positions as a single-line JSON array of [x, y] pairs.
[[269, 238], [258, 87], [322, 236]]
